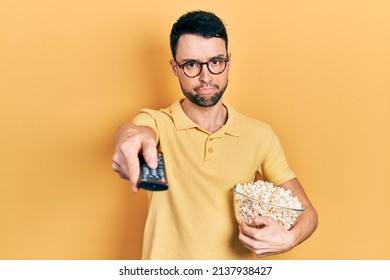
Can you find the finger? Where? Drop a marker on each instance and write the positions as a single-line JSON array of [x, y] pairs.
[[133, 166], [247, 230], [257, 246], [119, 166], [131, 163], [149, 152], [252, 235], [116, 167], [264, 220], [249, 242], [246, 241]]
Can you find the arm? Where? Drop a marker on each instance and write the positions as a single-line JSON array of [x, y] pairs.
[[273, 238], [129, 141]]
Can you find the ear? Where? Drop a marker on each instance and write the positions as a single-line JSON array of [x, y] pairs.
[[174, 67], [229, 55]]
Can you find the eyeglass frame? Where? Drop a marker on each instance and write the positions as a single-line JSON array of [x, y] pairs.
[[226, 60]]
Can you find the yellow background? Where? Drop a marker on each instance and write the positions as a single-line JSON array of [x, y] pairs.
[[72, 71]]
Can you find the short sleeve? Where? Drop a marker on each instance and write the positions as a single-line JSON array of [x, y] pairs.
[[275, 167], [147, 117]]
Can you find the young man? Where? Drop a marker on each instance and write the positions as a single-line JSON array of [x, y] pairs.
[[208, 148]]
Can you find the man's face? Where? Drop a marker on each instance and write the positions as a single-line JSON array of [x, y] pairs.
[[206, 89]]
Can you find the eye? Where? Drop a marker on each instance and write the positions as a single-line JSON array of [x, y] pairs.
[[216, 61], [191, 65]]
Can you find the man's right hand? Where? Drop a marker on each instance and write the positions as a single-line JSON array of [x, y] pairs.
[[130, 140]]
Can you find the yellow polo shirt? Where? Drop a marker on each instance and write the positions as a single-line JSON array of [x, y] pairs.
[[194, 218]]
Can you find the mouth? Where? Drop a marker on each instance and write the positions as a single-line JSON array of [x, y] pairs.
[[206, 90]]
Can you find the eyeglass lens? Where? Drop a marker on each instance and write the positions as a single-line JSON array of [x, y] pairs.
[[215, 66]]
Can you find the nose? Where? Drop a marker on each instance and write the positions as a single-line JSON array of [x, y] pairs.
[[205, 75]]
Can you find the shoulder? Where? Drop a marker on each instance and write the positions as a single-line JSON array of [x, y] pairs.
[[158, 113], [249, 124]]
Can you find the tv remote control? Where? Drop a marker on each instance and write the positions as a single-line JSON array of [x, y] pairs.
[[153, 179]]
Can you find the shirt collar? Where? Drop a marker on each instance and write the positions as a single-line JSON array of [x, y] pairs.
[[182, 121]]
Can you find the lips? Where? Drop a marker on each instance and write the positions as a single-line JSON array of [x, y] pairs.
[[206, 90]]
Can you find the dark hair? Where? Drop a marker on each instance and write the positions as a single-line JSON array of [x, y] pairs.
[[202, 23]]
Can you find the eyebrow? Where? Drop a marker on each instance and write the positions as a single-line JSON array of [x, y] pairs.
[[196, 60]]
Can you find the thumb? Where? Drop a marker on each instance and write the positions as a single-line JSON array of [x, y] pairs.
[[150, 156]]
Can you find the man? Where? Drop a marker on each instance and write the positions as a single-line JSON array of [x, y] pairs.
[[208, 148]]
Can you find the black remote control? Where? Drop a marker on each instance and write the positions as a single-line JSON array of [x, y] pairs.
[[153, 179]]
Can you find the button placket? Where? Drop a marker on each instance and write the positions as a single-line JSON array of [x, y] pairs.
[[210, 152]]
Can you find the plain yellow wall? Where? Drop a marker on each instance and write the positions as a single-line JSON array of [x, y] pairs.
[[72, 71]]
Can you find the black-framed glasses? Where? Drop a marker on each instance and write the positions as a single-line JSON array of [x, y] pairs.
[[193, 68]]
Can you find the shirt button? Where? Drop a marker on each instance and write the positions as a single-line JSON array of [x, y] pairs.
[[210, 150]]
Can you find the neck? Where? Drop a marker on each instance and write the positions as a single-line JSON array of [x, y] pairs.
[[210, 118]]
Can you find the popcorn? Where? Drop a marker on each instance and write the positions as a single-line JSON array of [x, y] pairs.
[[263, 198]]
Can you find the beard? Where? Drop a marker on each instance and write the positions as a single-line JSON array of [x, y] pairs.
[[200, 100]]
